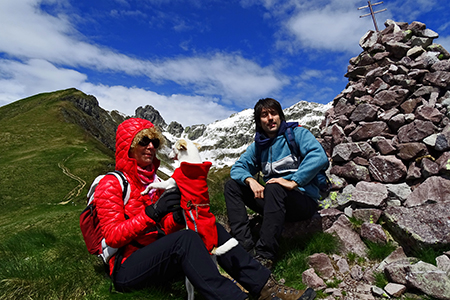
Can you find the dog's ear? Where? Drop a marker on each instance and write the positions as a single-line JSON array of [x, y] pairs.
[[181, 145], [197, 145]]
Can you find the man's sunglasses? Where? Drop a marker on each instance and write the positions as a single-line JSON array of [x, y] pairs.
[[146, 140]]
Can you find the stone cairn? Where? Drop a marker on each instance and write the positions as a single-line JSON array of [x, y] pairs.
[[388, 137]]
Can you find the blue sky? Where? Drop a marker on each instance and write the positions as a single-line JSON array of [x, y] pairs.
[[196, 61]]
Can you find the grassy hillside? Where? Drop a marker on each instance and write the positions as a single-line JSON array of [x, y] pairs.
[[46, 167], [39, 153]]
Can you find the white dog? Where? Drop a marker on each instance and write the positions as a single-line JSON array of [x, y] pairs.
[[190, 178], [182, 151]]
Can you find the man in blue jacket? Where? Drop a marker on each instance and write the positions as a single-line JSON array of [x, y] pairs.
[[289, 193]]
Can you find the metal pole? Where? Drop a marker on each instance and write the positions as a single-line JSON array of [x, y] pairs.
[[373, 16], [372, 13]]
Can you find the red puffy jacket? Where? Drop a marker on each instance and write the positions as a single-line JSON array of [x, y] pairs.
[[117, 229]]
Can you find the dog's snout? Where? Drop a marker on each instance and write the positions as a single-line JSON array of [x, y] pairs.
[[172, 155]]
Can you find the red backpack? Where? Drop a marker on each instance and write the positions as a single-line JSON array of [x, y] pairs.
[[89, 223]]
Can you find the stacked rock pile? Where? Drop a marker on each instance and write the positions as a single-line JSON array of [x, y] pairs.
[[388, 136], [391, 123]]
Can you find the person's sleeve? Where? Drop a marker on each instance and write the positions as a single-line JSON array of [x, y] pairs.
[[314, 156], [245, 166], [117, 230]]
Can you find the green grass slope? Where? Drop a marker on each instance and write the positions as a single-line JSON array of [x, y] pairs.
[[46, 167], [45, 161]]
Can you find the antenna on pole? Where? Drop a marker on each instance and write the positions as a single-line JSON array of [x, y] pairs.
[[372, 13]]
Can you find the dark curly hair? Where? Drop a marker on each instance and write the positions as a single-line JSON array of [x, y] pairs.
[[267, 103]]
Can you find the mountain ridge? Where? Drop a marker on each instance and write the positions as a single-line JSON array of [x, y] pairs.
[[41, 146], [223, 141]]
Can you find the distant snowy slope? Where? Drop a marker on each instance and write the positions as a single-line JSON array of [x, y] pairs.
[[225, 140]]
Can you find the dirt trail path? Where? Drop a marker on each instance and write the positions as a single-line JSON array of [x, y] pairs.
[[75, 192]]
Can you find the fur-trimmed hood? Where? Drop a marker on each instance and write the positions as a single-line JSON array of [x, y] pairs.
[[125, 134]]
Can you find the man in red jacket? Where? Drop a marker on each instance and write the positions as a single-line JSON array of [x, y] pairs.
[[147, 228]]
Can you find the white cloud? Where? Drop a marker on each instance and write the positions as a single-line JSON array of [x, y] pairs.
[[312, 74], [19, 80], [22, 79], [127, 13], [329, 25], [327, 30], [187, 110], [231, 76], [29, 33]]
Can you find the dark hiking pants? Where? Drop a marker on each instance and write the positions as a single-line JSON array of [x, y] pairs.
[[279, 205], [183, 253]]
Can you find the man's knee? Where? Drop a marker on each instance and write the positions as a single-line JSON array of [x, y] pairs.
[[274, 196], [274, 190]]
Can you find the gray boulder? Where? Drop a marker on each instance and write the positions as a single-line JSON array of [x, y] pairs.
[[373, 232], [415, 131], [321, 263], [434, 189], [350, 241], [420, 226], [369, 194], [422, 276], [387, 169]]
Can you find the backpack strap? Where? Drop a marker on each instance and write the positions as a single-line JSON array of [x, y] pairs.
[[289, 135], [123, 184], [258, 157]]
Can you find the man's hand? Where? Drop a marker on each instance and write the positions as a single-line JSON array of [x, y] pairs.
[[287, 184], [258, 190]]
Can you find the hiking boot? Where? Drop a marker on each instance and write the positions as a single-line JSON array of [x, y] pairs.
[[266, 262], [248, 245], [274, 290]]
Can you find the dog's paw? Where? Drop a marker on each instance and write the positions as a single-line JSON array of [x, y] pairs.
[[147, 189]]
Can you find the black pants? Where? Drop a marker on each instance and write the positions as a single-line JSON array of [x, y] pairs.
[[183, 252], [279, 205]]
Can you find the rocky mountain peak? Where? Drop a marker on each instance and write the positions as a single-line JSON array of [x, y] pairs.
[[150, 113], [91, 117], [175, 128]]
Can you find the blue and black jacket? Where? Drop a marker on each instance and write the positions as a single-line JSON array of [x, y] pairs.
[[277, 160]]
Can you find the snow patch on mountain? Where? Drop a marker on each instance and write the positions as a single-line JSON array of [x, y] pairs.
[[225, 140]]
